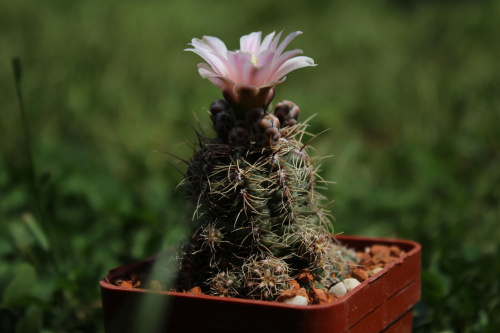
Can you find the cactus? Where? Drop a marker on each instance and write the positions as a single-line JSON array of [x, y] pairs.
[[258, 219]]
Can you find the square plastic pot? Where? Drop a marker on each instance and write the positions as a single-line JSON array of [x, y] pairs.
[[382, 303]]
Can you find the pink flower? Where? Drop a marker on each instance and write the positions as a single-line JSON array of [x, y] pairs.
[[248, 76]]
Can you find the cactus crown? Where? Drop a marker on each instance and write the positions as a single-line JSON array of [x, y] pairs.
[[258, 221]]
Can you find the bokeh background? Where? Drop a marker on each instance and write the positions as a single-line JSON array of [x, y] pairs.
[[410, 91]]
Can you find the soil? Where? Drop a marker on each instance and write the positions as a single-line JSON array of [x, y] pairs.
[[369, 263]]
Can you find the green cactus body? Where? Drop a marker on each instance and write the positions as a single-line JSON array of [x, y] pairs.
[[258, 219]]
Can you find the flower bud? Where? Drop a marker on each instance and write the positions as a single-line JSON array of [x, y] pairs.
[[254, 114], [239, 136], [223, 122], [287, 112], [219, 105], [267, 131]]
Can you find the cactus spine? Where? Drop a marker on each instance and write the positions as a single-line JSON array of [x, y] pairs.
[[258, 219]]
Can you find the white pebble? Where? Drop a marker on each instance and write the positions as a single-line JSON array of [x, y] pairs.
[[338, 290], [374, 271], [350, 283], [297, 300]]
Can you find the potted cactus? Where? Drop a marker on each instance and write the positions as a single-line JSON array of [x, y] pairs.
[[261, 236]]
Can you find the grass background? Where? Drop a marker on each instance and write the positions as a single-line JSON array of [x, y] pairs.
[[409, 89]]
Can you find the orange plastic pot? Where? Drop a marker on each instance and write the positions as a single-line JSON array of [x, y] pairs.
[[383, 303]]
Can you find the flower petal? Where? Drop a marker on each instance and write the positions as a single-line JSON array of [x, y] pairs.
[[275, 41], [291, 65], [277, 63], [286, 41], [236, 61], [266, 43], [265, 58], [211, 58], [226, 65], [250, 43], [250, 74], [268, 67], [206, 71], [265, 67], [274, 83], [210, 45], [217, 46], [222, 82]]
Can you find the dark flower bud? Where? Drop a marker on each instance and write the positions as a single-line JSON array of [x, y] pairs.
[[219, 105], [267, 130], [239, 136], [223, 122], [254, 115], [287, 112]]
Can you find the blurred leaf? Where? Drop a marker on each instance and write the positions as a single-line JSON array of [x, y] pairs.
[[22, 238], [139, 243], [5, 248], [31, 321], [13, 198], [435, 285], [19, 289], [36, 231]]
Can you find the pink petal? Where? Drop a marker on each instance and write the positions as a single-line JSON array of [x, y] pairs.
[[265, 58], [265, 73], [217, 46], [274, 44], [268, 68], [291, 65], [212, 60], [277, 63], [236, 61], [206, 71], [274, 83], [222, 82], [250, 43], [201, 45], [249, 74], [286, 41], [225, 64], [266, 43]]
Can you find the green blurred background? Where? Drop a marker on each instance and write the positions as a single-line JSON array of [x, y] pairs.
[[409, 89]]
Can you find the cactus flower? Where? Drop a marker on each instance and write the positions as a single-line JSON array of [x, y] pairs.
[[248, 76]]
